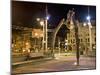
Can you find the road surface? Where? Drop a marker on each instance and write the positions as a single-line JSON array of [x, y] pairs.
[[61, 63]]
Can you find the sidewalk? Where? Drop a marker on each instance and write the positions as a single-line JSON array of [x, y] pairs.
[[29, 61], [64, 63]]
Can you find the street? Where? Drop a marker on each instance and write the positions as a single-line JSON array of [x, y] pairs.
[[61, 63]]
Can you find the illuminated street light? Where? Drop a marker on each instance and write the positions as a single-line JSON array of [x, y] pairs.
[[90, 26], [47, 18], [41, 23], [44, 22], [88, 18]]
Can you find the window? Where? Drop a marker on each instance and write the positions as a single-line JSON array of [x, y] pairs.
[[68, 41], [95, 39], [71, 40], [79, 40], [88, 40]]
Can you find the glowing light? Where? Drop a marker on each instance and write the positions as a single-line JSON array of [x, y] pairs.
[[27, 43], [66, 44], [38, 19], [71, 27], [24, 50], [88, 18], [89, 23], [75, 63], [36, 34], [28, 51], [48, 17], [66, 40], [84, 24], [41, 23]]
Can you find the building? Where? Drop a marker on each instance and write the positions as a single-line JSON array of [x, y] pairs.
[[27, 39], [20, 39], [84, 39]]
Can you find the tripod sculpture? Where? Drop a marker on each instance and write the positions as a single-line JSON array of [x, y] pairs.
[[70, 23]]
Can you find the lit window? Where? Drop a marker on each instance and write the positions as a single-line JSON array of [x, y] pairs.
[[86, 40]]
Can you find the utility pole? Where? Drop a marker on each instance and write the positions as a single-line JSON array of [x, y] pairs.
[[46, 29], [90, 26]]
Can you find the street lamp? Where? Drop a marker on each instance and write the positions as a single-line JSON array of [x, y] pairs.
[[42, 24], [90, 34], [47, 17], [88, 18], [90, 26]]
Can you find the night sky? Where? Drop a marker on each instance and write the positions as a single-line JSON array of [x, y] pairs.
[[25, 13]]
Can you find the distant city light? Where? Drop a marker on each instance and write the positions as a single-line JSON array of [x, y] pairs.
[[38, 19]]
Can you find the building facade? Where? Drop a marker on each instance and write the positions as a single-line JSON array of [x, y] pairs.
[[84, 39]]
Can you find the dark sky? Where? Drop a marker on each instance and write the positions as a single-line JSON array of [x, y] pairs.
[[25, 13]]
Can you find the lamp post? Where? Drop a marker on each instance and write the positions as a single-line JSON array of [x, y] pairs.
[[42, 24], [90, 34], [46, 29], [90, 26]]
